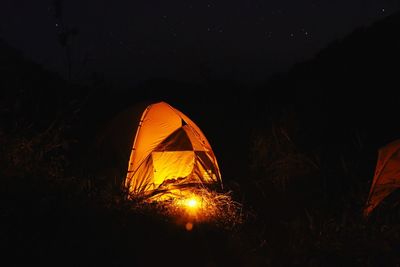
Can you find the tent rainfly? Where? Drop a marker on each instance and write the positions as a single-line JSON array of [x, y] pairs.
[[387, 175], [169, 153]]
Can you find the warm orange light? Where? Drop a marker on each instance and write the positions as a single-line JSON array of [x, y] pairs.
[[192, 203], [189, 207], [189, 226]]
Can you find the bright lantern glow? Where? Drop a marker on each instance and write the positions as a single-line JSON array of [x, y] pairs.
[[192, 203]]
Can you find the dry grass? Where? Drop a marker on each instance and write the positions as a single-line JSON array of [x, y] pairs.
[[192, 206]]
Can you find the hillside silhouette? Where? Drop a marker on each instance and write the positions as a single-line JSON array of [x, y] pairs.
[[353, 80]]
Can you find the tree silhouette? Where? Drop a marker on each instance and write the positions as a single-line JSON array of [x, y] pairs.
[[65, 34]]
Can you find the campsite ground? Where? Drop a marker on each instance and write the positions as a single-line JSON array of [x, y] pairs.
[[300, 160]]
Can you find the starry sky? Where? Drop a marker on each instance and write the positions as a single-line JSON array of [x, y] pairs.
[[132, 41]]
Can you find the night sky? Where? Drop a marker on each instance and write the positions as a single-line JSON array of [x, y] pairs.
[[131, 41]]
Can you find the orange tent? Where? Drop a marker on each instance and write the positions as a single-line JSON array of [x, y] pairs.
[[169, 152], [387, 175]]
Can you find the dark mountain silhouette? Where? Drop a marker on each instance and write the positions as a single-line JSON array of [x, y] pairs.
[[31, 92], [342, 105], [354, 80]]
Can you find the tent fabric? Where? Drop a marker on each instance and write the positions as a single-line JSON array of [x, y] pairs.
[[111, 146], [387, 175], [169, 149]]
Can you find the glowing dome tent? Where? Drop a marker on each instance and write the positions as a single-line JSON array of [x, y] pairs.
[[169, 153], [387, 175]]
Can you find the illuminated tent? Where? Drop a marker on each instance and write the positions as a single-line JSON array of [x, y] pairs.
[[169, 153], [387, 175]]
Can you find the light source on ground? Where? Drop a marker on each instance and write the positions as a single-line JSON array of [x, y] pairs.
[[192, 203], [190, 206]]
